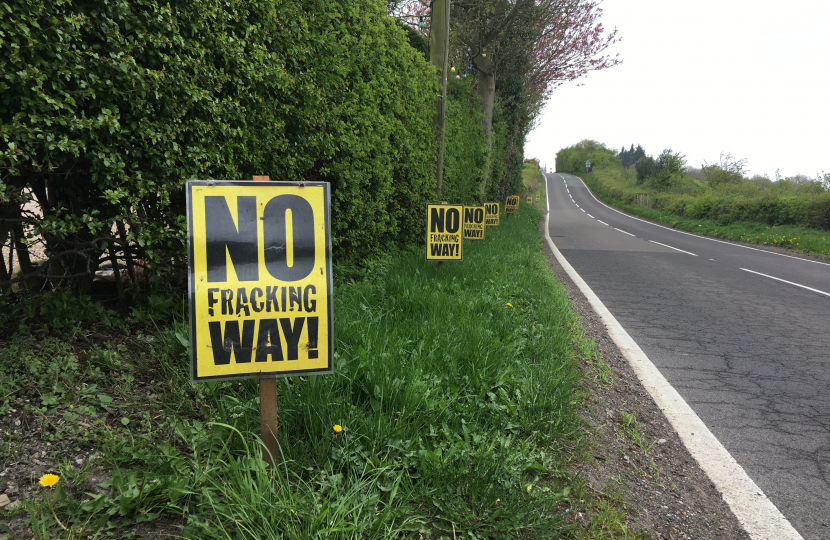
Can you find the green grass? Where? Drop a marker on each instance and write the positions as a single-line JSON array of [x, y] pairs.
[[806, 240], [457, 392]]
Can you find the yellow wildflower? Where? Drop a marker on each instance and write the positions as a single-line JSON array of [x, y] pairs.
[[529, 487], [338, 428], [49, 480], [509, 304]]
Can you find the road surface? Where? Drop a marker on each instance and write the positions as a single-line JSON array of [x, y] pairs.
[[742, 334]]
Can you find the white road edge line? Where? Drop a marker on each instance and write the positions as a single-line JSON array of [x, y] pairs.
[[761, 519], [697, 235], [603, 222], [785, 281], [671, 247], [622, 231]]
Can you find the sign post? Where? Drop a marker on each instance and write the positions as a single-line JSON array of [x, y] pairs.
[[474, 225], [443, 232], [587, 166], [260, 285], [491, 216], [511, 205]]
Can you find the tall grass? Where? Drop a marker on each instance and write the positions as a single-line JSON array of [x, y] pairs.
[[454, 390]]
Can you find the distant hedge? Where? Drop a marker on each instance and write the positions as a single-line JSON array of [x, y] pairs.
[[724, 204], [107, 107]]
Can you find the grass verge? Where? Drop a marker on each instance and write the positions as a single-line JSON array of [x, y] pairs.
[[457, 393], [803, 239]]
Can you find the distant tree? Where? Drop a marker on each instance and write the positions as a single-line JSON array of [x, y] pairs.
[[638, 153], [646, 168], [671, 165], [630, 157], [728, 171]]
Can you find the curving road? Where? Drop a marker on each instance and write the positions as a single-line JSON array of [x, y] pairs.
[[742, 334]]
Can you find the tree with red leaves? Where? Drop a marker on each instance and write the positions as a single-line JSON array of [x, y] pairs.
[[547, 41]]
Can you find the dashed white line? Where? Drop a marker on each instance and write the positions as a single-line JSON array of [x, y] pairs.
[[583, 210], [622, 231], [787, 282], [670, 247], [761, 519], [697, 235], [603, 222], [590, 216], [576, 205]]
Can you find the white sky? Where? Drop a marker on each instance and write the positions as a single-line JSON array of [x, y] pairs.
[[751, 77]]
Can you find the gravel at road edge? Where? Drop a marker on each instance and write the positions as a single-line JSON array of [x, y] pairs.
[[665, 491]]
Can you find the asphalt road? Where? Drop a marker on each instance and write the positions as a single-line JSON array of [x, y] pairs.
[[749, 353]]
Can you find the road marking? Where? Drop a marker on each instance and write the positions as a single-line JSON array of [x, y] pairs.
[[670, 247], [583, 210], [622, 231], [603, 222], [787, 282], [590, 216], [576, 205], [697, 235], [761, 519]]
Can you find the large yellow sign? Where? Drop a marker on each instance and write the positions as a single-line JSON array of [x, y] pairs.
[[260, 278], [444, 232], [491, 217], [473, 223], [512, 204]]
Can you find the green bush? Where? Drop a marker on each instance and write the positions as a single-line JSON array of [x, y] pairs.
[[572, 159], [464, 150], [109, 107]]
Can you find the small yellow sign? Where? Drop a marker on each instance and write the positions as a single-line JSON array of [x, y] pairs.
[[260, 278], [530, 200], [444, 232], [473, 223], [537, 197], [512, 204], [491, 214]]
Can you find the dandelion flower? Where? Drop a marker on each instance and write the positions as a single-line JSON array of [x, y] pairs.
[[338, 428], [509, 304], [529, 487], [49, 480]]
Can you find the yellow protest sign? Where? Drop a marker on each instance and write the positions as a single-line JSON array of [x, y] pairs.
[[444, 232], [530, 200], [260, 278], [473, 224], [512, 204], [537, 197], [491, 214]]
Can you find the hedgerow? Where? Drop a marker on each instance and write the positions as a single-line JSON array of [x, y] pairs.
[[107, 108]]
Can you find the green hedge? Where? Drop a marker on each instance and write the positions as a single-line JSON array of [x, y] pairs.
[[722, 205], [464, 150], [108, 107]]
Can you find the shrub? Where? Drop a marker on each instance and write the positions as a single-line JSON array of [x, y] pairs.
[[108, 107]]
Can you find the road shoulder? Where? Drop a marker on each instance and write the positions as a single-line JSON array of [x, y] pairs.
[[665, 490]]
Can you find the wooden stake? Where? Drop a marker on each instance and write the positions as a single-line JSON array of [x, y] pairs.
[[268, 408], [268, 420]]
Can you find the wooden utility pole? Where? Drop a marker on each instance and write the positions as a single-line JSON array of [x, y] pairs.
[[268, 408], [439, 44]]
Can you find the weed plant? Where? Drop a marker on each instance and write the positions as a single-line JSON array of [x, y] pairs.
[[454, 390]]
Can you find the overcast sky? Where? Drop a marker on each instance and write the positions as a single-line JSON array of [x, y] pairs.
[[751, 77]]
